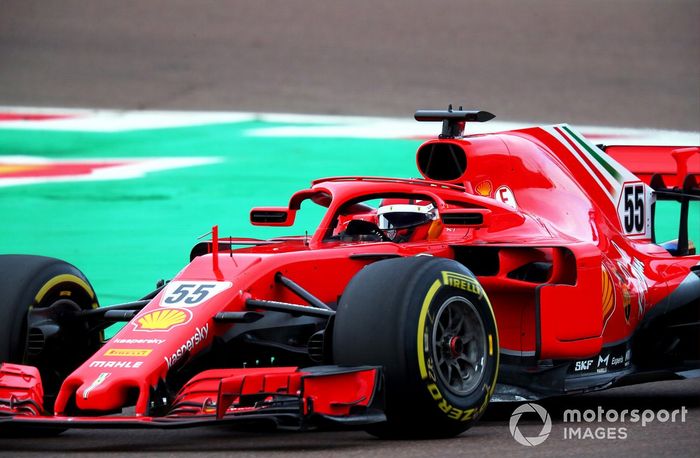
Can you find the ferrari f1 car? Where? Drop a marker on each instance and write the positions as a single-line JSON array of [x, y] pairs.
[[524, 264]]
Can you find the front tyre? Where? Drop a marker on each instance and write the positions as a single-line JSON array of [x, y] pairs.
[[428, 322], [39, 300]]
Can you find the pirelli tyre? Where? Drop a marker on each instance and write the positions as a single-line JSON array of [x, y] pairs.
[[428, 322], [39, 301]]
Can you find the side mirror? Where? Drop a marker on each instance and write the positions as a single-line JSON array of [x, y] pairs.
[[272, 216]]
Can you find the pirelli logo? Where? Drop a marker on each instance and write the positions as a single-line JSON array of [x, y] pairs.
[[462, 282], [136, 352]]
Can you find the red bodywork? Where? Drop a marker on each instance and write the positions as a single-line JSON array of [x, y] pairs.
[[539, 195]]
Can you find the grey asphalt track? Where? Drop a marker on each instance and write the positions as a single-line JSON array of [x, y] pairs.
[[491, 437], [602, 62], [599, 62]]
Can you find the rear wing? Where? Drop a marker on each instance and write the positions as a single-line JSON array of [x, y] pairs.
[[673, 172], [664, 168]]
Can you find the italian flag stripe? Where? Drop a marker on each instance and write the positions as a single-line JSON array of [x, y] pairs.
[[601, 178], [609, 168]]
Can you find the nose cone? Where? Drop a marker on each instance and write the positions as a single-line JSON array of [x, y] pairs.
[[105, 392]]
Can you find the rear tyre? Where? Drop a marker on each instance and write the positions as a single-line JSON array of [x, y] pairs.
[[39, 299], [428, 322]]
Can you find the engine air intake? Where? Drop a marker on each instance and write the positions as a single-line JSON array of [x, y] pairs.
[[442, 161]]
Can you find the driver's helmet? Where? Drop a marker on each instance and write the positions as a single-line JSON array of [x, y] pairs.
[[403, 220]]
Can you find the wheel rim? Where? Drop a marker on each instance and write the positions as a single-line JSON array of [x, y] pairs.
[[459, 345]]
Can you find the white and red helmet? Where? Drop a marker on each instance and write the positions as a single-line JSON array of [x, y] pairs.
[[399, 217]]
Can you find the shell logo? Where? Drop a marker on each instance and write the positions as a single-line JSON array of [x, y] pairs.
[[484, 188], [162, 319]]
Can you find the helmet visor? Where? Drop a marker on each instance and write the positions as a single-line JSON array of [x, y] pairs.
[[404, 216]]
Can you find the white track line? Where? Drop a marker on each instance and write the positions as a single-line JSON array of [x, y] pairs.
[[317, 126]]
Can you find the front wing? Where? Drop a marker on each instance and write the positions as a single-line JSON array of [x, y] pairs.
[[286, 397]]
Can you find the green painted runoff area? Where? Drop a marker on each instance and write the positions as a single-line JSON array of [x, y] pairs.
[[126, 234]]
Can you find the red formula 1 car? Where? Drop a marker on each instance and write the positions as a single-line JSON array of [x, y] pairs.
[[523, 265]]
